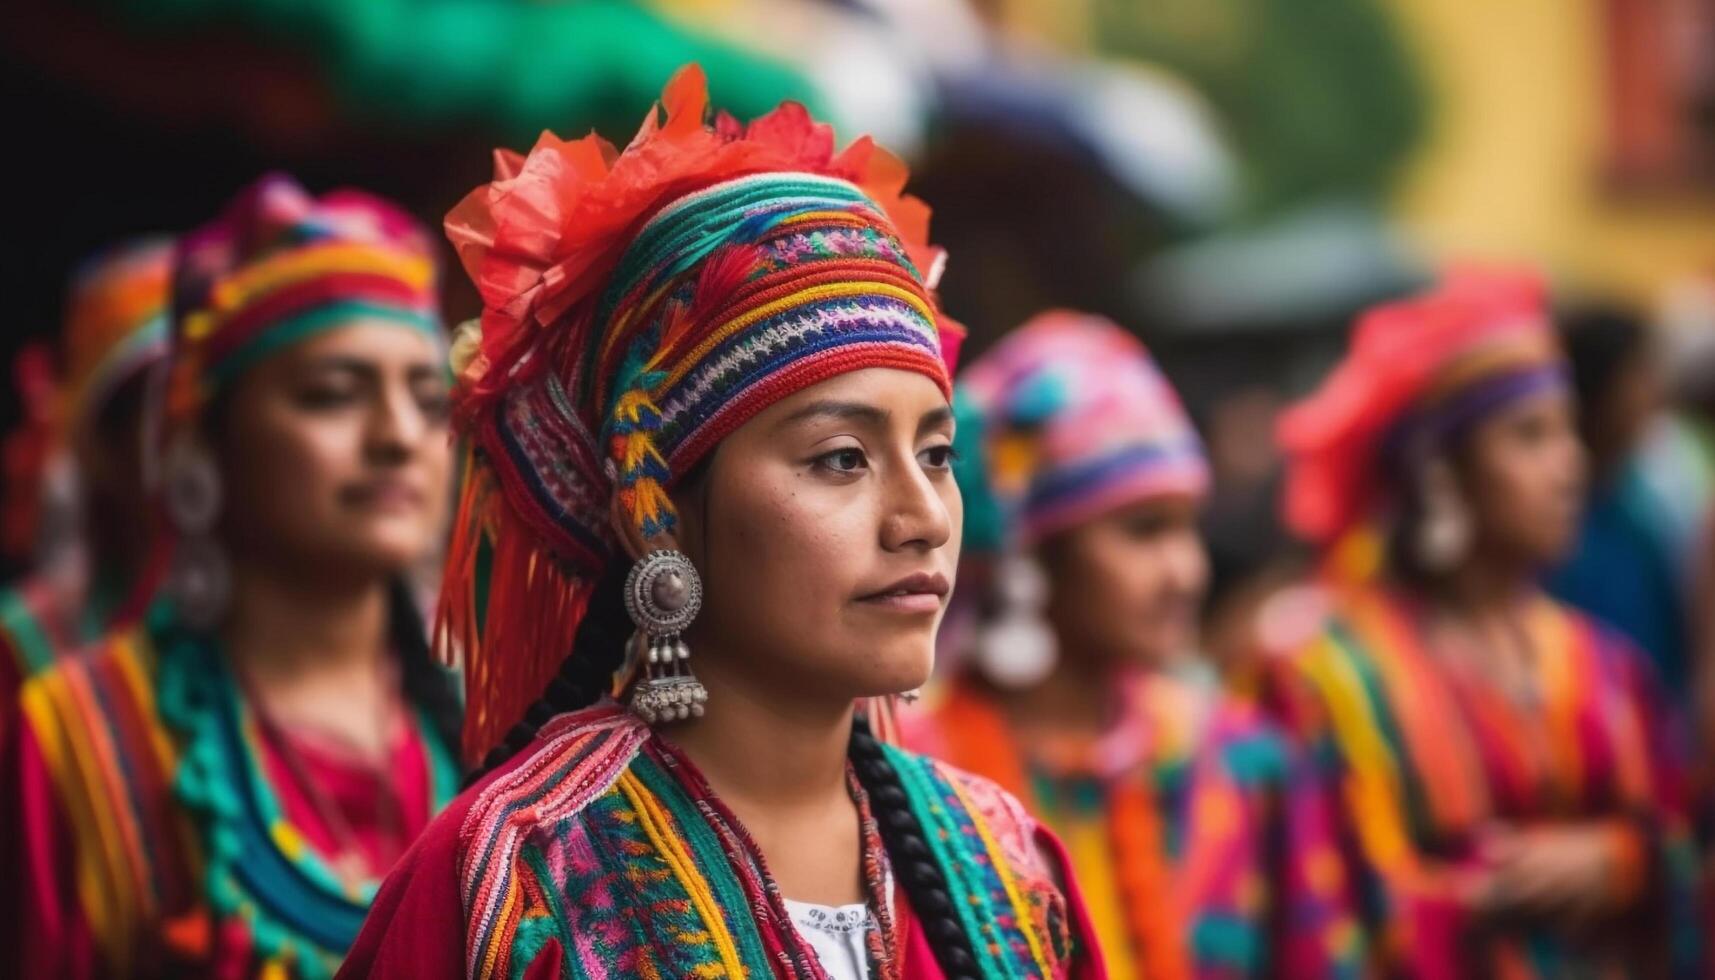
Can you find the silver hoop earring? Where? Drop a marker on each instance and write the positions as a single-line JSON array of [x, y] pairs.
[[1018, 648], [200, 579], [1443, 537], [663, 594]]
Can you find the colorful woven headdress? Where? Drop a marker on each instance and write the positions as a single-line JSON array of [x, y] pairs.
[[278, 266], [116, 325], [638, 307], [1419, 372], [1067, 418], [115, 331]]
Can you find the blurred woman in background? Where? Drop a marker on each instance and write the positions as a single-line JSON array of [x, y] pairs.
[[1625, 566], [1513, 789], [219, 790], [1081, 691], [91, 437], [710, 392]]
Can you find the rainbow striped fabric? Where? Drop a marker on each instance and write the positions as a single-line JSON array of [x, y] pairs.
[[1066, 418], [279, 265], [40, 621], [606, 847], [1193, 835], [1424, 759], [184, 858]]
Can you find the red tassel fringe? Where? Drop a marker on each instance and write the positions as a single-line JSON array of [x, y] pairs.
[[511, 640]]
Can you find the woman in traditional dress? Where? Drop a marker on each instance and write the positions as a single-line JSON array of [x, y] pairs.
[[1079, 688], [218, 791], [115, 332], [1512, 786], [710, 391]]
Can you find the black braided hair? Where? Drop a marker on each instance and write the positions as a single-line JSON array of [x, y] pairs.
[[583, 678], [913, 862], [428, 686]]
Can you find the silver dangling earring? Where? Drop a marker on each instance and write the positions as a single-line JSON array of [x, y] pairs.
[[1018, 648], [200, 579], [663, 594], [1443, 537]]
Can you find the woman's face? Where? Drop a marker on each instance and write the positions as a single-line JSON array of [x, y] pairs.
[[335, 452], [1523, 475], [1127, 586], [826, 531]]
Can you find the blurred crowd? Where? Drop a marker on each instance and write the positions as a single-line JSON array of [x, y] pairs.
[[1336, 603]]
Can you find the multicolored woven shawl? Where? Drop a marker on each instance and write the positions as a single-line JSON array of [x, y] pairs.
[[608, 848], [182, 843], [1423, 759], [1193, 836]]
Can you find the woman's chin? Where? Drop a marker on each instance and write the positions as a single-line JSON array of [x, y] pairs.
[[898, 674], [382, 556]]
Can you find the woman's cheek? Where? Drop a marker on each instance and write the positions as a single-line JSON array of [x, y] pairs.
[[295, 467], [791, 554]]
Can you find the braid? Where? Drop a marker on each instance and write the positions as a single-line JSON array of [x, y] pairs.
[[924, 882], [428, 686], [584, 674]]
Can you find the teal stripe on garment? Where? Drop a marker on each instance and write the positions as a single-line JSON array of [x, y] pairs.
[[29, 641], [1363, 666], [945, 840], [707, 855], [1003, 923], [1226, 943], [444, 772], [534, 933]]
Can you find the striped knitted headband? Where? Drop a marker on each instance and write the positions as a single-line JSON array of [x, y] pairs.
[[1522, 358], [743, 293], [279, 266], [639, 307], [1067, 418], [1420, 372]]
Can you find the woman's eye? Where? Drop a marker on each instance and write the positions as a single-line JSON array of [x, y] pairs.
[[437, 407], [842, 460], [326, 396], [938, 457], [1147, 527]]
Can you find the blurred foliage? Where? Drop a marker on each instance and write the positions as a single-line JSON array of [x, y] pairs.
[[517, 66], [1321, 97]]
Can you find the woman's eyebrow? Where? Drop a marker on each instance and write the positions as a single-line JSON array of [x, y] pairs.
[[349, 365], [936, 418], [840, 411], [426, 372]]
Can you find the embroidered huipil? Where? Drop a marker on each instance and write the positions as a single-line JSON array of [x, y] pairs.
[[600, 852], [151, 828], [1420, 758], [1198, 843]]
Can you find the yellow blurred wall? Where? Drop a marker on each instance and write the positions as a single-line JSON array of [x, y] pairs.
[[1511, 168]]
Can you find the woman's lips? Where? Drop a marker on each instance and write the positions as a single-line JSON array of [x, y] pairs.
[[385, 495], [922, 592]]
